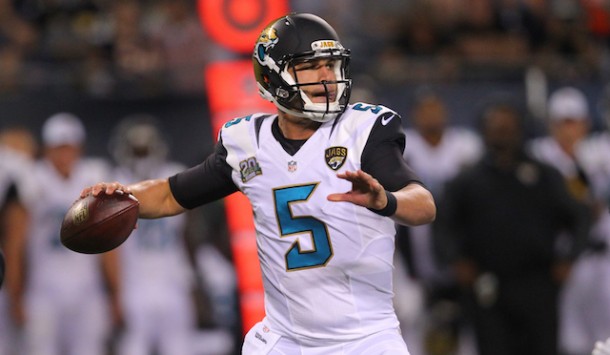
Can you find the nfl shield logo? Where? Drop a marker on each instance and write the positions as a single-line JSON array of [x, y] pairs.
[[292, 166]]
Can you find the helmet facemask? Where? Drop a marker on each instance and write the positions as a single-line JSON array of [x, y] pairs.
[[292, 99]]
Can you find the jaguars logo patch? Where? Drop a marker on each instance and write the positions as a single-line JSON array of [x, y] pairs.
[[268, 39], [335, 157]]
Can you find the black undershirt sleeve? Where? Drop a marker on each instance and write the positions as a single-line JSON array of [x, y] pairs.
[[382, 156], [204, 183]]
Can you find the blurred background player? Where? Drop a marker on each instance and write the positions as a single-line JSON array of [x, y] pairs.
[[602, 347], [18, 148], [585, 304], [157, 273], [499, 223], [437, 151], [601, 139], [63, 299], [13, 220]]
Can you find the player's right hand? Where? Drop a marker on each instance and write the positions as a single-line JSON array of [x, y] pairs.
[[602, 348], [108, 188], [366, 190]]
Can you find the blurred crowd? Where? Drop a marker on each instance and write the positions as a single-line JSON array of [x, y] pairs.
[[99, 47], [148, 47]]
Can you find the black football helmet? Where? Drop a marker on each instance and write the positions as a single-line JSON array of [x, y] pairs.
[[138, 144], [294, 39]]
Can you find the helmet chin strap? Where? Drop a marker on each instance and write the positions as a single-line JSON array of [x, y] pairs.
[[322, 111], [314, 116], [318, 112]]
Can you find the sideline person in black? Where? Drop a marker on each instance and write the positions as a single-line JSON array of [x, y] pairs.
[[500, 221]]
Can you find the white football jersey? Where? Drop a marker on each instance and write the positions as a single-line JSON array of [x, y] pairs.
[[435, 165], [53, 268], [327, 266]]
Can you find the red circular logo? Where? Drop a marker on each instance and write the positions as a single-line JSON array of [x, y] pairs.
[[236, 24]]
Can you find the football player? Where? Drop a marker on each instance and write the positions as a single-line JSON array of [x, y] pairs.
[[438, 151], [157, 278], [326, 180], [582, 158], [66, 297], [15, 167]]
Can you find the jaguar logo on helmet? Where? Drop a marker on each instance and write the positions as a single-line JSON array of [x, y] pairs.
[[266, 40], [335, 157]]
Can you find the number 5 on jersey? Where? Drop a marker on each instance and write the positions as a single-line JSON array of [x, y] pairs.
[[291, 225]]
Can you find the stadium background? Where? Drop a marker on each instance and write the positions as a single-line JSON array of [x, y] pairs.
[[103, 60]]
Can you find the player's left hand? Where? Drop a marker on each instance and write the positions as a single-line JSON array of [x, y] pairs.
[[366, 190], [107, 188], [602, 348]]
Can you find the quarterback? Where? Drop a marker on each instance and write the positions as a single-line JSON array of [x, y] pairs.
[[326, 180]]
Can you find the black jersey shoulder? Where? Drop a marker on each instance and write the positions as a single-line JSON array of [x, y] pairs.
[[382, 156]]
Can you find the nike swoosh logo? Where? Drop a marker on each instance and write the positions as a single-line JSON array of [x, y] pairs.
[[386, 120]]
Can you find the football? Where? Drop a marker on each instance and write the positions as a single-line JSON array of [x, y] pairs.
[[97, 224]]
